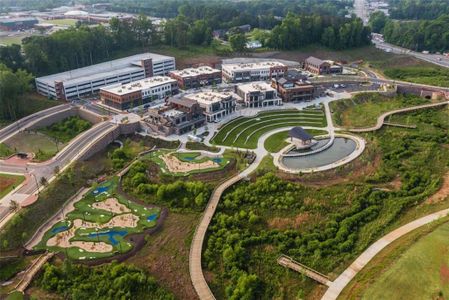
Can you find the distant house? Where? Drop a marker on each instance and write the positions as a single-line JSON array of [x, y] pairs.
[[322, 67], [219, 33], [244, 28]]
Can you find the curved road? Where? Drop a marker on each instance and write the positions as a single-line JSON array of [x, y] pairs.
[[27, 121]]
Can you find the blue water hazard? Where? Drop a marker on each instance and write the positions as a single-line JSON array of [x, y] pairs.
[[217, 160], [100, 190], [110, 234], [59, 229], [189, 158], [152, 217]]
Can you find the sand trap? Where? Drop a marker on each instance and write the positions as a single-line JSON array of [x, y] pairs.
[[112, 205], [62, 239], [175, 165]]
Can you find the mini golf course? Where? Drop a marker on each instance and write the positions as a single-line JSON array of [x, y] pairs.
[[245, 132], [99, 224], [186, 163]]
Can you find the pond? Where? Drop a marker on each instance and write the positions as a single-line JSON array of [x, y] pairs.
[[341, 148], [110, 234]]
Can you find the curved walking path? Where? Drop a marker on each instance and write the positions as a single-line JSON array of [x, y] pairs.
[[337, 286], [381, 119]]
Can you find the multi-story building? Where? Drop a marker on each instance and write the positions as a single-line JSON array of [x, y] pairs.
[[215, 105], [321, 67], [258, 94], [136, 93], [292, 89], [175, 116], [196, 77], [89, 80], [253, 71], [13, 24]]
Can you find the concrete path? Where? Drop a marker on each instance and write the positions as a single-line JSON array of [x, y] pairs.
[[337, 286]]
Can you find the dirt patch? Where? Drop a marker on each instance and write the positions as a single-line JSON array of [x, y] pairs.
[[444, 274], [166, 254], [6, 183], [288, 223], [442, 193]]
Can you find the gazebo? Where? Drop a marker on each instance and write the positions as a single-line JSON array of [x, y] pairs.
[[301, 138]]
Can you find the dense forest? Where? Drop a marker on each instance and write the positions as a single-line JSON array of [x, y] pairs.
[[418, 9], [431, 35], [110, 281]]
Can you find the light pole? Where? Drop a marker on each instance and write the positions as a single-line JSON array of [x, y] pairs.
[[37, 184]]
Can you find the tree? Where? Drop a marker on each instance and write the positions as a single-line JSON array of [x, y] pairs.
[[377, 21], [13, 206], [238, 42]]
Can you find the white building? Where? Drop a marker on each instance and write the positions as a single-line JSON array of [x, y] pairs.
[[258, 94], [215, 105], [88, 80], [245, 72], [125, 96]]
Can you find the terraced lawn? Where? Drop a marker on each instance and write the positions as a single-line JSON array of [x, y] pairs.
[[245, 132]]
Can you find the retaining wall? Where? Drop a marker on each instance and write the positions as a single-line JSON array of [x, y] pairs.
[[59, 116]]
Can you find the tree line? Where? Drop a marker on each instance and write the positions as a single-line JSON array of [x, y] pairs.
[[430, 35], [418, 9]]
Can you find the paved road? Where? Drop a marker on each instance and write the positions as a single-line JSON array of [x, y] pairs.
[[46, 169], [381, 119], [337, 286], [436, 59], [27, 121]]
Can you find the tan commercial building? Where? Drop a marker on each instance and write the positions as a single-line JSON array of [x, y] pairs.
[[246, 72], [258, 94], [215, 105], [196, 77], [125, 96], [321, 67]]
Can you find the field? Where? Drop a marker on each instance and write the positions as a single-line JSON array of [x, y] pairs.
[[245, 132], [426, 75], [425, 262], [9, 40], [8, 183], [98, 225], [40, 144], [362, 110], [62, 22], [277, 141]]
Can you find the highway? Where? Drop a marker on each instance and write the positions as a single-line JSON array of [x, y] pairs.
[[27, 121]]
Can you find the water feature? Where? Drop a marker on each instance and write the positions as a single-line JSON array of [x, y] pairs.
[[59, 229], [110, 234], [100, 189], [152, 217], [341, 148], [217, 160]]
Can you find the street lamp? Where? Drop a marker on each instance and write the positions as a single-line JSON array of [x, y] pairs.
[[35, 180]]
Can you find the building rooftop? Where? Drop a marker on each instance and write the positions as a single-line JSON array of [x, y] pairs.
[[208, 97], [300, 133], [172, 113], [314, 61], [182, 102], [147, 83], [191, 72], [14, 20], [256, 87], [98, 70], [252, 66]]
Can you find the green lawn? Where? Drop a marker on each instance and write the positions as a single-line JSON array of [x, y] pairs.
[[42, 145], [84, 210], [277, 141], [8, 183], [9, 40], [62, 22], [425, 75], [363, 109], [426, 263], [245, 132], [5, 151]]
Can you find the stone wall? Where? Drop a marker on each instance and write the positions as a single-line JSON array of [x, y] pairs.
[[61, 115]]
